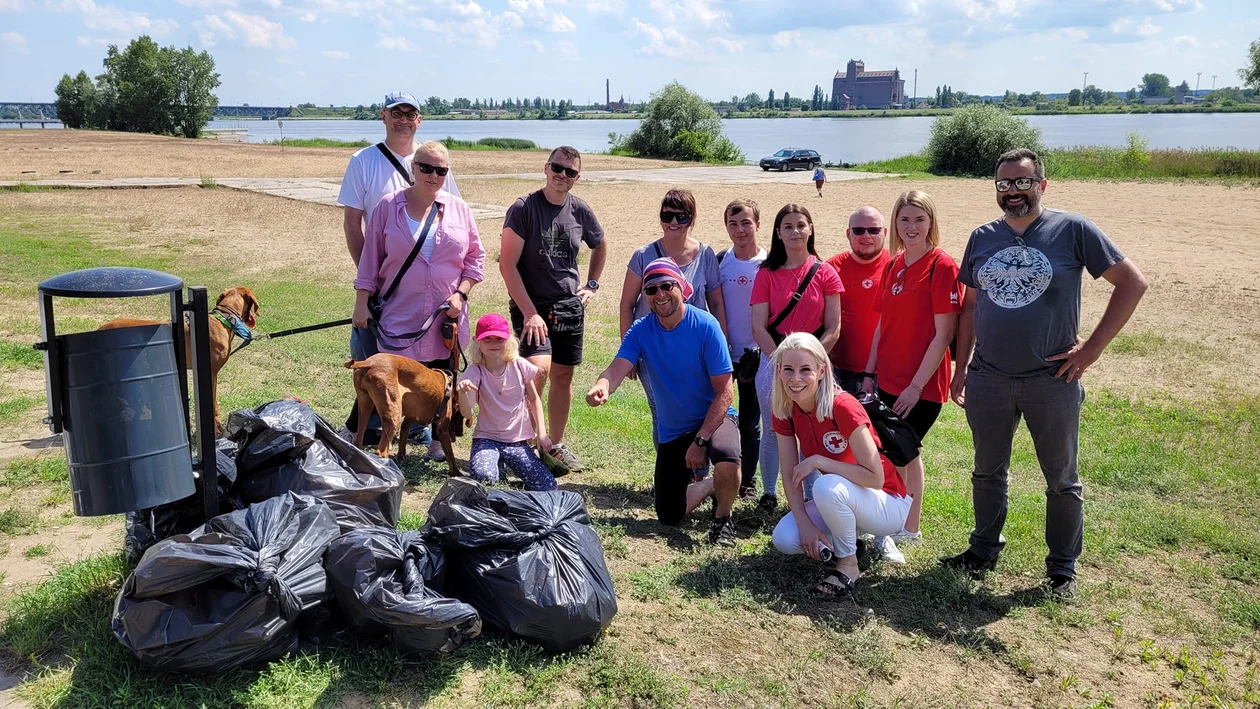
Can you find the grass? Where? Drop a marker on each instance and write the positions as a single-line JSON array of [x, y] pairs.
[[320, 143], [490, 144], [1169, 579], [1127, 163]]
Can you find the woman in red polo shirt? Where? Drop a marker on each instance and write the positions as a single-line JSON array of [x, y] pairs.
[[919, 306], [858, 492], [791, 264]]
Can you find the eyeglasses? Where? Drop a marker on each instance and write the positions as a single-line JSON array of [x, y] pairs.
[[568, 171], [665, 287], [680, 217], [860, 230], [1021, 183], [428, 169], [409, 115]]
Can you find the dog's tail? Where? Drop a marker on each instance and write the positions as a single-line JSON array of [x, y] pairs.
[[351, 364]]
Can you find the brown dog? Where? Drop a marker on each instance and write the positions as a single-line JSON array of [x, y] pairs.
[[402, 391], [238, 302]]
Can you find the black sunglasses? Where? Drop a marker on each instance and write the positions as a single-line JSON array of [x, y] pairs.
[[428, 169], [1021, 183], [568, 171], [860, 230], [680, 217], [665, 287], [409, 115]]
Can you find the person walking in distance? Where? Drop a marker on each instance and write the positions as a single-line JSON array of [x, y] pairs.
[[738, 269], [1022, 315], [538, 259], [861, 270], [820, 178]]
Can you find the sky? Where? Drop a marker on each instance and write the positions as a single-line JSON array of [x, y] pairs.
[[350, 52]]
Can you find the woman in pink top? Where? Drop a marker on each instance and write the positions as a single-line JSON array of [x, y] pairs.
[[509, 410], [451, 261]]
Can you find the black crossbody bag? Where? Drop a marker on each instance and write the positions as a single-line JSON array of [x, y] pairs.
[[389, 155], [376, 303], [773, 329]]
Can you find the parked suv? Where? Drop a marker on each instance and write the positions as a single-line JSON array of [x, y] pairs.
[[792, 159]]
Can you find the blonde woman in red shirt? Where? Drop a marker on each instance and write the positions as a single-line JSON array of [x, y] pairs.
[[909, 365]]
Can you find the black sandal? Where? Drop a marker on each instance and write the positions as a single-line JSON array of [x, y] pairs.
[[835, 585]]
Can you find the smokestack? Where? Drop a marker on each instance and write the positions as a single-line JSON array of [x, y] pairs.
[[607, 95]]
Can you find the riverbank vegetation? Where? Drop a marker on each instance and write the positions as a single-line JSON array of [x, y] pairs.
[[490, 144], [679, 125]]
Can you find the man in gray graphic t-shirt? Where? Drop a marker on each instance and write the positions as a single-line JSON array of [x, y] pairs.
[[542, 234], [1022, 312]]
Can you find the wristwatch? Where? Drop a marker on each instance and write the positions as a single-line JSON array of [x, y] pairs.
[[701, 442], [592, 284]]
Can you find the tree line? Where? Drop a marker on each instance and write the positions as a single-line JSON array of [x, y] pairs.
[[144, 89]]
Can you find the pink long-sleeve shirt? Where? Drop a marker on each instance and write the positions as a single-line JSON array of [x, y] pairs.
[[457, 254]]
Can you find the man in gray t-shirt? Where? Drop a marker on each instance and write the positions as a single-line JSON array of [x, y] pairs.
[[542, 234], [1022, 312]]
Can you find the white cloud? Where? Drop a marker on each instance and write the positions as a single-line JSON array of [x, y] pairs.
[[110, 19], [1185, 40], [605, 7], [560, 23], [534, 13], [787, 39], [208, 4], [1147, 29], [335, 54], [253, 30], [10, 5], [698, 12], [273, 4], [91, 41], [308, 17], [534, 44], [12, 42], [283, 60], [728, 45], [667, 42], [385, 41]]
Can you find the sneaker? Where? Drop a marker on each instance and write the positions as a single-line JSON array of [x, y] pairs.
[[419, 436], [722, 532], [888, 550], [969, 562], [562, 453], [906, 539], [1061, 587], [435, 452], [747, 492], [768, 502]]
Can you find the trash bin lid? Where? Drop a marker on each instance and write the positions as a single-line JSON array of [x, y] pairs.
[[111, 282]]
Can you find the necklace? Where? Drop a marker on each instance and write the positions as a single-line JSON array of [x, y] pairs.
[[799, 272], [500, 379]]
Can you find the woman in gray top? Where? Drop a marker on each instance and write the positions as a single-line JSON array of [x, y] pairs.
[[697, 261]]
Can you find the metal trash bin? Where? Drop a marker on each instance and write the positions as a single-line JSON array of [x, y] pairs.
[[119, 397]]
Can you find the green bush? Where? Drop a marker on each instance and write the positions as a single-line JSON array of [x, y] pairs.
[[970, 140], [679, 125], [508, 143]]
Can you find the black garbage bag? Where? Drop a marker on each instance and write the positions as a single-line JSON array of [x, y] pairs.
[[529, 562], [271, 434], [230, 593], [362, 489], [147, 527], [897, 440], [390, 582]]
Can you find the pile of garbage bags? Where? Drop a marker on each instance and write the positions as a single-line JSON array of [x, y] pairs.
[[307, 544]]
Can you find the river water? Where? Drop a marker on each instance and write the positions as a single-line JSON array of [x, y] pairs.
[[850, 140]]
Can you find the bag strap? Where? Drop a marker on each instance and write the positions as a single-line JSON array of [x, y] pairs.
[[796, 296], [389, 155], [722, 254], [415, 251], [656, 245]]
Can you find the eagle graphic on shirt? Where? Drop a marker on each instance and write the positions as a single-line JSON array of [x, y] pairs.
[[1015, 276]]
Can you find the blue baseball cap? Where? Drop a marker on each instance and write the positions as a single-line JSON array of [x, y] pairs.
[[399, 98]]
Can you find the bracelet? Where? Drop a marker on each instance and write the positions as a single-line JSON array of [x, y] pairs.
[[915, 386], [867, 375], [462, 294]]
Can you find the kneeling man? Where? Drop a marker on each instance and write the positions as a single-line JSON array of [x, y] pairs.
[[683, 355]]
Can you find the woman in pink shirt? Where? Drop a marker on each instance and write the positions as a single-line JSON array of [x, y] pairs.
[[451, 261], [509, 410]]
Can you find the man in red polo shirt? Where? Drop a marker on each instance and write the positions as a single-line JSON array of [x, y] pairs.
[[861, 270]]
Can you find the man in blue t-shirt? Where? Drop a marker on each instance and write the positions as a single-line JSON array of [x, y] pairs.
[[1022, 311], [683, 355]]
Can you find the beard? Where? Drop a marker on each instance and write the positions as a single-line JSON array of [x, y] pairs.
[[1021, 209], [664, 310]]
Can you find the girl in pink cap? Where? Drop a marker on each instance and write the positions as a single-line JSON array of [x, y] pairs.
[[509, 410]]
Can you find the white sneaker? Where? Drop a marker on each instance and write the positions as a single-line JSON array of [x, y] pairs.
[[907, 539], [435, 452], [888, 550]]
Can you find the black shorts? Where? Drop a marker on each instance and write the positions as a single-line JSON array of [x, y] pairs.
[[673, 476], [565, 348], [921, 416]]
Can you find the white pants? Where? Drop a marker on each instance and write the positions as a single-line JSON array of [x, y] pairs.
[[842, 510]]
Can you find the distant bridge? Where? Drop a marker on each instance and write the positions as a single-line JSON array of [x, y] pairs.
[[34, 112]]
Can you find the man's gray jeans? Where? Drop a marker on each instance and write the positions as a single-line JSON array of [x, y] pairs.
[[1051, 408]]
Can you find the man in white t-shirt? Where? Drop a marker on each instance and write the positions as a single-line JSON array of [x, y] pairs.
[[370, 176], [738, 267]]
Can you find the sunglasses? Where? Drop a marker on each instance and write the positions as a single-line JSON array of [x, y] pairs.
[[680, 217], [665, 287], [568, 171], [1021, 183], [872, 230], [409, 115], [428, 169]]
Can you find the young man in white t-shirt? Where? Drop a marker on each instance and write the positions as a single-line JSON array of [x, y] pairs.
[[369, 177], [738, 267]]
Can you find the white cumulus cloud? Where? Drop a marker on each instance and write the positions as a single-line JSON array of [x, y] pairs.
[[12, 42], [1185, 40], [667, 42], [787, 39], [727, 45], [335, 54], [113, 20], [253, 30]]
